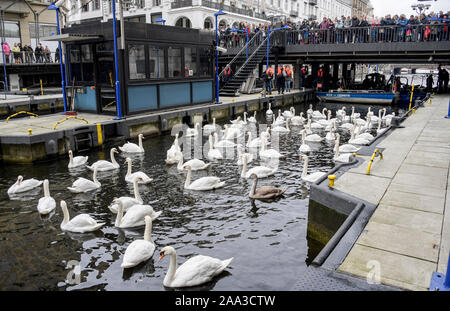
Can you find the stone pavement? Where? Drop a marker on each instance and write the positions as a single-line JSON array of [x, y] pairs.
[[408, 236]]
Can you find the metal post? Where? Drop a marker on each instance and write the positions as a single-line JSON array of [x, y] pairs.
[[246, 41], [217, 63], [116, 63], [61, 65], [3, 51], [268, 37]]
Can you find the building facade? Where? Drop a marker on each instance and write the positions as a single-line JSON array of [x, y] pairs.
[[193, 13], [362, 8]]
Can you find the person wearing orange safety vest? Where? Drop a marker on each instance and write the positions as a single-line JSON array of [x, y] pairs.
[[281, 79], [268, 76], [320, 77], [288, 78]]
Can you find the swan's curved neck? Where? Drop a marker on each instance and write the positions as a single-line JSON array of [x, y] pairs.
[[211, 146], [119, 214], [336, 147], [140, 142], [180, 163], [148, 230], [353, 133], [66, 215], [70, 158], [214, 122], [46, 189], [188, 178], [94, 177], [253, 189], [305, 168], [287, 124], [129, 168], [245, 117], [137, 195], [244, 167], [113, 159], [172, 268], [303, 137]]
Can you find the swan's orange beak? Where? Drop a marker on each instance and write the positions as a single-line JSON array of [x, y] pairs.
[[161, 256]]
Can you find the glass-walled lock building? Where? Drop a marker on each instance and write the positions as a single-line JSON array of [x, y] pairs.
[[159, 67]]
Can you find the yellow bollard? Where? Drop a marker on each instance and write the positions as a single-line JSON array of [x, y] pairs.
[[372, 158], [42, 89], [412, 93], [414, 110], [429, 101], [331, 179], [29, 131]]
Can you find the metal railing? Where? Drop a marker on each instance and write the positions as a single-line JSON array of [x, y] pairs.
[[24, 57], [253, 45], [181, 4], [378, 34]]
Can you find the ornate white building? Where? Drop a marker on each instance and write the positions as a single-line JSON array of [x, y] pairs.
[[194, 13]]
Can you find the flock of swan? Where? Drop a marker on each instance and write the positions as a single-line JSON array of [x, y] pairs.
[[132, 212]]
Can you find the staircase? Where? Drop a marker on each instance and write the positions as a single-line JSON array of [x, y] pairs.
[[245, 66]]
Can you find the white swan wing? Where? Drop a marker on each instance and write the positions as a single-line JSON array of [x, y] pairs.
[[195, 164], [138, 251], [206, 183], [140, 174], [198, 270], [127, 202], [135, 215], [78, 161], [103, 165], [131, 148], [83, 184]]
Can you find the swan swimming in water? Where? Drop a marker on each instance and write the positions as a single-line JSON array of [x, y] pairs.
[[173, 154], [264, 192], [203, 183], [21, 185], [304, 147], [130, 177], [313, 177], [103, 165], [132, 147], [76, 161], [195, 271], [128, 202], [140, 250], [85, 185], [81, 223], [46, 204], [213, 154], [260, 171], [134, 217], [195, 164], [338, 157]]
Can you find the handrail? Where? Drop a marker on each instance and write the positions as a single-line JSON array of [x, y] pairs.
[[251, 56], [244, 48], [71, 117], [20, 112], [372, 158]]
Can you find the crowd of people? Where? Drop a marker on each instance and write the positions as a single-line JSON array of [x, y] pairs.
[[426, 27], [25, 54]]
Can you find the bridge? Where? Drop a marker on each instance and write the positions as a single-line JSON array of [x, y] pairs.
[[424, 44], [28, 75]]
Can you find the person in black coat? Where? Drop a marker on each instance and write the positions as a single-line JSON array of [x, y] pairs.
[[430, 83]]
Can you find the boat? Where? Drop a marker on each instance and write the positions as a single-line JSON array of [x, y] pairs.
[[357, 96]]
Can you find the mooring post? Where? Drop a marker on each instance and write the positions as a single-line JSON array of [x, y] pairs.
[[439, 281]]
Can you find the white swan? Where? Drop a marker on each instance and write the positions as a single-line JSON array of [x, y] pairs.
[[314, 138], [231, 133], [24, 185], [297, 120], [330, 135], [269, 153], [338, 157], [223, 143], [277, 122], [173, 154], [194, 131], [242, 153], [379, 129], [140, 250], [213, 154], [76, 161], [80, 223], [238, 120], [364, 135], [103, 165], [195, 271], [311, 177], [325, 122], [357, 141], [46, 204], [84, 185], [347, 148], [304, 147], [287, 114], [269, 112], [134, 217], [132, 147], [203, 183], [260, 171], [208, 128], [130, 177], [128, 202], [282, 129], [307, 127], [195, 164], [319, 115], [252, 119]]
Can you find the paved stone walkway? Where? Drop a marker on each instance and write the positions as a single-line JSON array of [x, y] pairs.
[[409, 233]]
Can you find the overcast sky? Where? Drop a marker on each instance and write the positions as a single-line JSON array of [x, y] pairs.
[[384, 7]]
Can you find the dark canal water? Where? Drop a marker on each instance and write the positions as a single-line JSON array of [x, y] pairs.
[[267, 240]]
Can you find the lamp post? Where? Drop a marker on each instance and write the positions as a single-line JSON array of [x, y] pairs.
[[220, 12], [55, 6], [161, 20], [268, 37], [246, 37]]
